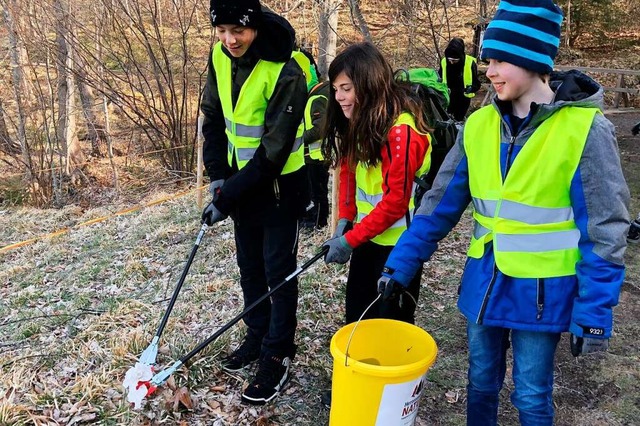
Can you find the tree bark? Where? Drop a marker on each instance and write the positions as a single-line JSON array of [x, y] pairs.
[[327, 34], [66, 120], [87, 100], [7, 145], [358, 19], [18, 83]]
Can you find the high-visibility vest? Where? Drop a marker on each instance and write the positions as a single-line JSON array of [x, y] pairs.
[[529, 216], [315, 152], [369, 190], [467, 76], [305, 66], [245, 122]]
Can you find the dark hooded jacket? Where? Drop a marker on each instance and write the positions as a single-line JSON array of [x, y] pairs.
[[258, 191], [455, 49]]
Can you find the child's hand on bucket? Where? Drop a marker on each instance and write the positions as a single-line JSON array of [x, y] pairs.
[[389, 288]]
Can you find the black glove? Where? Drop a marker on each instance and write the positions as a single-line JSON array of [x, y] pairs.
[[215, 185], [339, 250], [211, 215], [587, 345], [468, 90], [389, 288], [342, 228], [636, 129]]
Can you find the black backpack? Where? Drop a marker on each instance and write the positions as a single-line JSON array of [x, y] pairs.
[[434, 94]]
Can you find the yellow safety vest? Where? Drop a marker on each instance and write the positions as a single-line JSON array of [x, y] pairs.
[[467, 76], [315, 152], [245, 123], [529, 216], [369, 190]]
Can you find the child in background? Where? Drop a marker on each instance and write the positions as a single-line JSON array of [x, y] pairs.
[[377, 138], [317, 169], [542, 169], [459, 72]]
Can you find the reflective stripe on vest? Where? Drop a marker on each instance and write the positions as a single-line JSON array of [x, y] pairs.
[[245, 123], [529, 216], [467, 76], [314, 147], [369, 190]]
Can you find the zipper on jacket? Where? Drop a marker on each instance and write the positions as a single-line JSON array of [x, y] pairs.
[[512, 141], [276, 192], [487, 295], [235, 87], [540, 298]]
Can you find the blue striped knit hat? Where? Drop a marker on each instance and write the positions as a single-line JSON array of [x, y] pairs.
[[525, 33]]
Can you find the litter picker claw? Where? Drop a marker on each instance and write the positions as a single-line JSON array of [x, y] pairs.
[[161, 377], [143, 370]]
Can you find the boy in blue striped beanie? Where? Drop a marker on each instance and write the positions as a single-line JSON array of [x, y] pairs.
[[542, 169], [524, 33]]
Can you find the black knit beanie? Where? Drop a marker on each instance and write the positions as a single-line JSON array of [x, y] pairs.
[[246, 13]]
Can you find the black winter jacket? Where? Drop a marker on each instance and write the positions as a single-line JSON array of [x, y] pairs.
[[258, 191]]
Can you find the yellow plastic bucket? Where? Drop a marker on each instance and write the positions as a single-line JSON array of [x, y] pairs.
[[381, 379]]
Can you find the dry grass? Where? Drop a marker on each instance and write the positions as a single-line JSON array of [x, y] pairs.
[[78, 309]]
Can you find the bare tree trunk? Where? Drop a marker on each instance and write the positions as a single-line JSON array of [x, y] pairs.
[[327, 34], [358, 19], [105, 105], [18, 84], [87, 100], [66, 122], [7, 145]]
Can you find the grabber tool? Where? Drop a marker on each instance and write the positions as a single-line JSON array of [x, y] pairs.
[[152, 383], [144, 366]]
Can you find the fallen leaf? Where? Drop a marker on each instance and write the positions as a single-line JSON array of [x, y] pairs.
[[80, 418], [171, 383], [182, 397], [452, 396]]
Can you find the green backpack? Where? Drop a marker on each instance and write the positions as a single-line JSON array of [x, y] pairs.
[[434, 94]]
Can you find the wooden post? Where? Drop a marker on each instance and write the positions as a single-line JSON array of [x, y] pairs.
[[621, 94], [335, 185], [199, 163]]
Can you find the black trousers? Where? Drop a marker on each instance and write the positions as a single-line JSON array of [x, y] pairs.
[[365, 269], [458, 106], [318, 174], [266, 255]]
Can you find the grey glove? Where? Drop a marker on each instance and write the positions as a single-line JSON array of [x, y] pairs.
[[587, 345], [215, 185], [339, 250], [389, 288], [211, 215], [342, 227]]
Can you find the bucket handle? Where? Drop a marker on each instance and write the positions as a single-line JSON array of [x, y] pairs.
[[346, 352]]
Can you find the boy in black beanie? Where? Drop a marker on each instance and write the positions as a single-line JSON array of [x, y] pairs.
[[541, 167], [253, 104], [459, 72]]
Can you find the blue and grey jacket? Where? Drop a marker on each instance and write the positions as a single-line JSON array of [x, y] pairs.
[[580, 303]]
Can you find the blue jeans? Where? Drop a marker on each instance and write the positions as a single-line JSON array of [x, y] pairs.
[[533, 362]]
